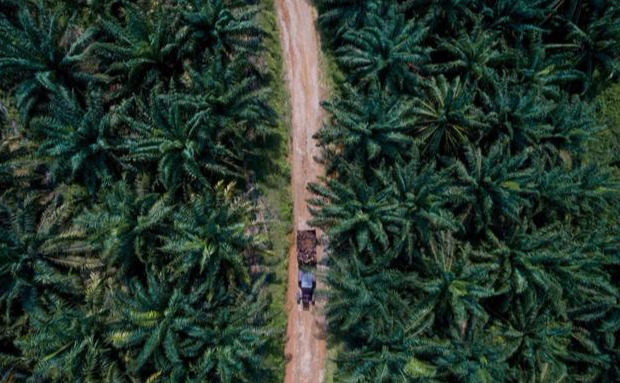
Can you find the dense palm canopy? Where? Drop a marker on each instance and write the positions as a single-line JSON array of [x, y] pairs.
[[472, 237], [125, 225], [124, 241], [366, 213], [67, 343], [342, 15], [236, 103], [188, 333], [499, 186]]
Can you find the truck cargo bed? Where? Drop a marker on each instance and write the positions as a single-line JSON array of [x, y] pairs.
[[306, 247]]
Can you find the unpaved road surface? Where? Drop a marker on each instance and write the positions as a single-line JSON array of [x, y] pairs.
[[305, 346]]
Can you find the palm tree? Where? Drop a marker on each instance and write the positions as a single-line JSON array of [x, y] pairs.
[[518, 112], [66, 342], [425, 197], [477, 358], [139, 53], [573, 125], [446, 117], [236, 102], [367, 129], [387, 364], [38, 249], [178, 138], [553, 264], [540, 340], [441, 13], [595, 47], [40, 54], [221, 27], [531, 119], [550, 74], [368, 303], [183, 333], [581, 192], [367, 214], [344, 15], [501, 186], [78, 143], [474, 56], [522, 16], [387, 51], [452, 285], [209, 239], [125, 227]]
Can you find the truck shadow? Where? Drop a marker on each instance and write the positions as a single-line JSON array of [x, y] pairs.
[[321, 326]]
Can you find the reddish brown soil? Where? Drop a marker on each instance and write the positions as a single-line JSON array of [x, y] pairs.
[[305, 346]]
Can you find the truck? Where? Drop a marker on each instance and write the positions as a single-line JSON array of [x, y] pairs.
[[306, 262]]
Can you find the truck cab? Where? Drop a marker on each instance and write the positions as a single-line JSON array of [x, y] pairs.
[[306, 281]]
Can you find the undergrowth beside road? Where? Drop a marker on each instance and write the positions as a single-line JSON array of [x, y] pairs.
[[274, 186], [606, 148]]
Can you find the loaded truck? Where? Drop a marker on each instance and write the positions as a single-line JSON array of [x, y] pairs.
[[306, 262]]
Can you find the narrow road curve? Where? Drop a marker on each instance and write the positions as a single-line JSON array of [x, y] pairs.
[[305, 346]]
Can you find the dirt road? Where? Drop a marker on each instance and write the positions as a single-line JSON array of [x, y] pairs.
[[305, 347]]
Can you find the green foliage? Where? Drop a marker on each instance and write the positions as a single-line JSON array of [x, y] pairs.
[[35, 245], [124, 242], [597, 45], [357, 210], [139, 52], [342, 15], [386, 52], [470, 202], [189, 333], [236, 103], [209, 239], [222, 27], [367, 128], [42, 53], [473, 56], [446, 119], [69, 343], [607, 142], [78, 143], [176, 136], [125, 227]]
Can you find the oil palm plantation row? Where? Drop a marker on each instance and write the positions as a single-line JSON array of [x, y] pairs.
[[471, 238], [126, 132]]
